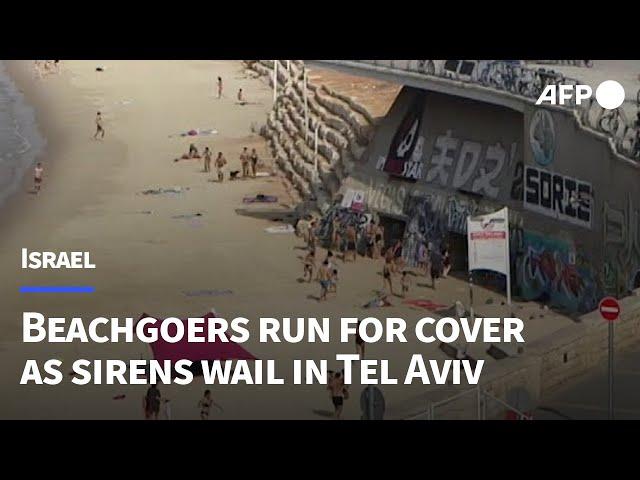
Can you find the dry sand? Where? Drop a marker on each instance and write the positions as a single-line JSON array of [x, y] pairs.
[[90, 201]]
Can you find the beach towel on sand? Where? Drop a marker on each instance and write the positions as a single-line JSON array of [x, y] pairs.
[[280, 229], [426, 304], [260, 199]]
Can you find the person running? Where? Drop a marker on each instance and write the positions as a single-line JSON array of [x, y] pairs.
[[379, 241], [37, 177], [446, 262], [360, 343], [220, 163], [397, 254], [370, 236], [99, 127], [335, 234], [436, 266], [405, 282], [387, 271], [205, 404], [253, 159], [309, 265], [311, 238], [324, 276], [334, 280], [219, 84], [352, 239], [152, 403], [244, 160], [338, 391], [207, 159]]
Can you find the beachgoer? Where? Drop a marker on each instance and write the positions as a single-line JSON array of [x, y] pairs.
[[335, 233], [220, 163], [324, 276], [152, 403], [241, 96], [397, 255], [207, 159], [352, 240], [436, 266], [205, 405], [37, 177], [334, 280], [405, 282], [311, 239], [253, 158], [244, 159], [446, 262], [370, 237], [309, 265], [193, 151], [379, 241], [387, 270], [359, 342], [219, 83], [338, 391], [99, 126]]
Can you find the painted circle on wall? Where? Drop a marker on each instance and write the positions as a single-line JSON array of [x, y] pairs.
[[542, 137]]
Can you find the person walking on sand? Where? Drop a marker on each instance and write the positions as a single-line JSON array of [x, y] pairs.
[[352, 240], [207, 159], [338, 391], [324, 276], [244, 160], [241, 100], [205, 404], [37, 177], [99, 126], [446, 262], [309, 265], [253, 158], [436, 266], [220, 163], [387, 271], [360, 343], [219, 85], [405, 282], [152, 403]]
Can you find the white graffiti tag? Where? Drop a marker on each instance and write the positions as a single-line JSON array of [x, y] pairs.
[[441, 160]]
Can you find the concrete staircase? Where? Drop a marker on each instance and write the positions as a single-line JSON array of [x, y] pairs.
[[344, 130]]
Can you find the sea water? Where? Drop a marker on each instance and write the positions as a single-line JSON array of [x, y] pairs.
[[20, 141]]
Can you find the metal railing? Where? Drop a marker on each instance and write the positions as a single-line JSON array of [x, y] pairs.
[[480, 397], [511, 77]]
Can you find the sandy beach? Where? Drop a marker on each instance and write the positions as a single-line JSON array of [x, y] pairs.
[[152, 249]]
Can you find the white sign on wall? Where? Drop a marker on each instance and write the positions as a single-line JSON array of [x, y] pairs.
[[488, 240]]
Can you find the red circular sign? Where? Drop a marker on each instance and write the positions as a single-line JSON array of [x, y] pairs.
[[609, 308]]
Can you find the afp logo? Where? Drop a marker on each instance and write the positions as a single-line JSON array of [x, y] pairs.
[[609, 94]]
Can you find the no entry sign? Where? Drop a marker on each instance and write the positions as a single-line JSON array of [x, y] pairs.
[[609, 309]]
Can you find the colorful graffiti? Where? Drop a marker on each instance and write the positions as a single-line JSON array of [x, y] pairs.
[[550, 270], [622, 248], [426, 224], [346, 217]]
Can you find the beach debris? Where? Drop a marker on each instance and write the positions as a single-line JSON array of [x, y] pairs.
[[207, 293], [426, 304], [195, 132], [288, 228], [99, 69], [260, 198], [162, 191], [122, 396], [188, 215]]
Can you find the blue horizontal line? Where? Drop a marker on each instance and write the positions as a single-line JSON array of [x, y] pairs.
[[61, 289]]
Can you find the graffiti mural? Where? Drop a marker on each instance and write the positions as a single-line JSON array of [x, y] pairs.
[[404, 158], [622, 247], [542, 137], [426, 224], [386, 197], [550, 270], [346, 217], [468, 165]]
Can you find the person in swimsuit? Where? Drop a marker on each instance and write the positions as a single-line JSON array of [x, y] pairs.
[[338, 391], [436, 267], [244, 160], [219, 83], [387, 270], [220, 163], [37, 177], [207, 159], [309, 265], [193, 151], [205, 405], [446, 262], [152, 403], [379, 241], [324, 276], [359, 342], [253, 161], [311, 238], [99, 126], [370, 235], [241, 97], [352, 240], [405, 282], [335, 233]]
